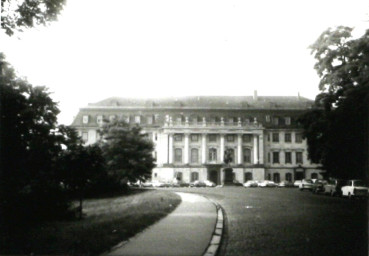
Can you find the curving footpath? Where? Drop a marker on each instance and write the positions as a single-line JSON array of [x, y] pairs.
[[194, 228]]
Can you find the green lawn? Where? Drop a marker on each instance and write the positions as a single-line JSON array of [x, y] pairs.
[[107, 222]]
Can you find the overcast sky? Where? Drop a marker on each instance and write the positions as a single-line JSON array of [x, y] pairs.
[[159, 48]]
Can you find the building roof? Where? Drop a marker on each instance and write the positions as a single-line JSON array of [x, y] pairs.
[[208, 102]]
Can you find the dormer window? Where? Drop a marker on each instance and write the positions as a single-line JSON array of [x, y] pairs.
[[85, 119], [267, 118], [99, 120], [112, 118], [275, 120], [137, 119]]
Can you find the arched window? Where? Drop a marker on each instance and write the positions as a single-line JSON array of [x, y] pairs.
[[194, 176], [314, 175], [247, 155], [276, 177], [288, 176], [212, 154], [179, 176], [247, 176], [194, 155]]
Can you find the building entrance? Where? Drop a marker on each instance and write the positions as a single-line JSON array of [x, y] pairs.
[[214, 174], [228, 176]]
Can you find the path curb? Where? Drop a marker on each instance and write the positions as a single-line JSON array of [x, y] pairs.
[[216, 239]]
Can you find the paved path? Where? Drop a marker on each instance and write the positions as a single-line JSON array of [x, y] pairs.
[[186, 231]]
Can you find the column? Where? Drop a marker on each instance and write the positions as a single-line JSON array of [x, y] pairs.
[[186, 148], [221, 148], [203, 148], [261, 149], [239, 149], [255, 149], [170, 149]]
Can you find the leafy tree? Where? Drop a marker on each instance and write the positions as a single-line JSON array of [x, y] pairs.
[[128, 154], [81, 167], [337, 129], [31, 144], [18, 14]]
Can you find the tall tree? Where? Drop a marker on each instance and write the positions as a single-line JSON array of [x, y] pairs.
[[128, 153], [19, 14], [31, 143], [337, 129]]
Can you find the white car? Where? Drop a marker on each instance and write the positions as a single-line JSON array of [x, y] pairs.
[[158, 184], [250, 184], [355, 188], [267, 184], [209, 183]]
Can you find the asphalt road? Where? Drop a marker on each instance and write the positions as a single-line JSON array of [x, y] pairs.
[[286, 221]]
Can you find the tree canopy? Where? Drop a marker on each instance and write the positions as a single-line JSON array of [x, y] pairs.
[[128, 153], [19, 14], [337, 128]]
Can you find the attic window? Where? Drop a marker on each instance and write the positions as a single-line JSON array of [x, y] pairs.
[[275, 120], [85, 119], [267, 118]]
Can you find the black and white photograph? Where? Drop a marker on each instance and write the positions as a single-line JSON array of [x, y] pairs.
[[184, 128]]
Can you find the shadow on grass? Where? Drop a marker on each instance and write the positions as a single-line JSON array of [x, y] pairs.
[[107, 222]]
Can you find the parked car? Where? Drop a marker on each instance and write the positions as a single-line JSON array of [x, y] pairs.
[[147, 184], [318, 186], [267, 183], [158, 184], [333, 187], [306, 184], [355, 188], [285, 184], [250, 184], [209, 183], [197, 184], [297, 183]]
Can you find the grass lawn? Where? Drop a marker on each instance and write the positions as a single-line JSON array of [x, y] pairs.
[[107, 222]]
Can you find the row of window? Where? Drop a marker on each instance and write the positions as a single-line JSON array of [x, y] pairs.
[[287, 137], [150, 119], [212, 155], [135, 119], [213, 137], [287, 157]]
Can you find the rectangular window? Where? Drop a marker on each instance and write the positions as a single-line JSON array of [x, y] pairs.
[[267, 118], [125, 119], [137, 119], [246, 155], [194, 137], [149, 120], [212, 154], [287, 157], [230, 138], [299, 158], [298, 138], [178, 155], [287, 120], [287, 137], [85, 119], [275, 157], [194, 176], [194, 155], [275, 120], [246, 138], [100, 120], [269, 157], [212, 137], [85, 136], [275, 137], [178, 137]]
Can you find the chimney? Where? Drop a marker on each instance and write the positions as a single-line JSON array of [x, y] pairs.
[[255, 95], [298, 95]]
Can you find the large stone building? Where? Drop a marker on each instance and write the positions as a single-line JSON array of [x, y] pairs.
[[191, 134]]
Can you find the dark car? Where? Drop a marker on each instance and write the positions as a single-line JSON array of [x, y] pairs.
[[333, 187], [318, 186]]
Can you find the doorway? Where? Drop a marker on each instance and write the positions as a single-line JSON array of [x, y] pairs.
[[228, 176]]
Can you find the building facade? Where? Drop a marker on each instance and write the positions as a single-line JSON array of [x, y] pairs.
[[261, 136]]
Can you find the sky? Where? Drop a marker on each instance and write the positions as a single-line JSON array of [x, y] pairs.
[[146, 48]]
